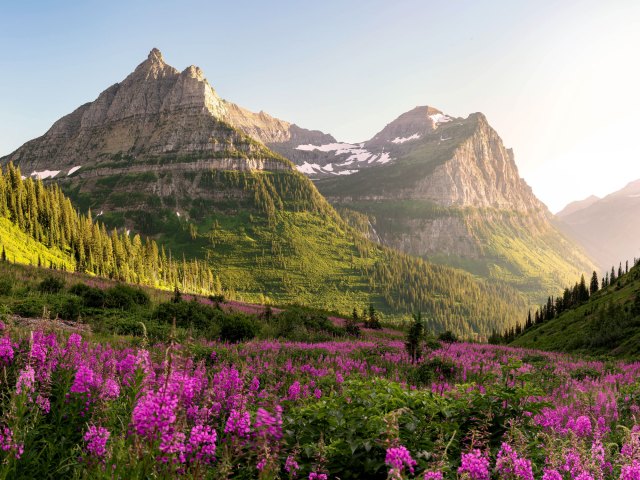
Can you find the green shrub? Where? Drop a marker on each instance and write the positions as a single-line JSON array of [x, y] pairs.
[[238, 329], [91, 297], [51, 285], [433, 370], [30, 307], [125, 297], [6, 286]]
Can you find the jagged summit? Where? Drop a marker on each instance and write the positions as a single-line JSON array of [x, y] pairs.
[[155, 110], [155, 55]]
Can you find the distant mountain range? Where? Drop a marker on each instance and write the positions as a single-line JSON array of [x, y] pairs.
[[609, 227], [161, 153]]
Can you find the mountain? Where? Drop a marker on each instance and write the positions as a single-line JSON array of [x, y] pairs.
[[609, 228], [573, 207], [607, 324], [450, 191], [161, 154]]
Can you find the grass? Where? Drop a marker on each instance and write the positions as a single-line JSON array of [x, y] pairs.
[[21, 248]]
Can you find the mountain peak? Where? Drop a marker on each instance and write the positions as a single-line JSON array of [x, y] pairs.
[[155, 56]]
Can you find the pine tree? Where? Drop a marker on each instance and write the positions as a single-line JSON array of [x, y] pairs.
[[595, 285], [414, 337], [351, 325]]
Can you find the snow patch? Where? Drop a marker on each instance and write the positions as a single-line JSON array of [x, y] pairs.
[[345, 172], [439, 118], [384, 158], [308, 168], [415, 136], [45, 174], [73, 170], [328, 167], [329, 147]]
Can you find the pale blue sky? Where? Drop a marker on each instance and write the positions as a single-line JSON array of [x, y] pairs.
[[559, 80]]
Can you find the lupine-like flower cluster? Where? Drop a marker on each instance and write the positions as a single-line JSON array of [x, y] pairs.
[[96, 441], [474, 466], [399, 458], [511, 466]]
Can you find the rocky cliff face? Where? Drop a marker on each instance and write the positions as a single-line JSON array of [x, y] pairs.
[[156, 111]]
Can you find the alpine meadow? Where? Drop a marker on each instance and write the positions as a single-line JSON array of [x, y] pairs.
[[190, 288]]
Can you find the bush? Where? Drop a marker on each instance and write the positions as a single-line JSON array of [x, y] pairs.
[[448, 337], [238, 329], [435, 369], [69, 308], [188, 315], [125, 297], [6, 286], [51, 285], [30, 307], [91, 297]]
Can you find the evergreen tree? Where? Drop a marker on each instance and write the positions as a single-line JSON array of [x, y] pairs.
[[583, 293], [4, 255], [373, 321], [351, 325], [414, 337], [595, 285]]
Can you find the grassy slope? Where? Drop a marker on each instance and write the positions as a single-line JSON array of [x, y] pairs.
[[300, 252], [608, 314], [21, 248]]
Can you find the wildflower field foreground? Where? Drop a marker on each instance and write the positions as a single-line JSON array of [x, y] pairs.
[[82, 408]]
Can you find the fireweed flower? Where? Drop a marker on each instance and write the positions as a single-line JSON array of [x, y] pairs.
[[7, 444], [582, 426], [551, 474], [397, 458], [510, 465], [202, 443], [96, 440], [433, 476], [318, 476], [6, 351], [291, 466], [25, 381], [110, 389], [269, 426], [294, 391], [474, 466], [631, 472], [84, 381], [238, 424]]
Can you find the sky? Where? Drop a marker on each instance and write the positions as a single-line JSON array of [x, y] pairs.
[[559, 80]]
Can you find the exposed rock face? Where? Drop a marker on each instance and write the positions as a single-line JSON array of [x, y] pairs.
[[481, 173], [154, 111], [609, 228]]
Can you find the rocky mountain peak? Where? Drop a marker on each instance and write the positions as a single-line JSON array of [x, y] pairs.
[[155, 56], [155, 110], [411, 125]]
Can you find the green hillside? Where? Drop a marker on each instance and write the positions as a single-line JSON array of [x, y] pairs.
[[607, 324], [270, 235]]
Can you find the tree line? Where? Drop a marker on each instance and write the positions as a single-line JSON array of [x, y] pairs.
[[47, 215], [571, 298]]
